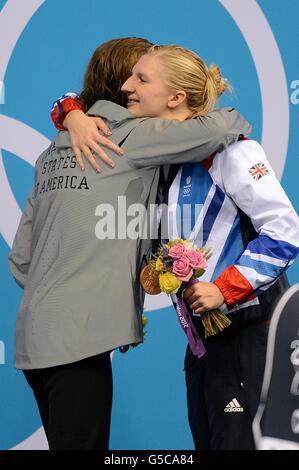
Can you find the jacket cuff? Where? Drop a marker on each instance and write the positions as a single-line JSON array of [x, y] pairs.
[[234, 287], [61, 110]]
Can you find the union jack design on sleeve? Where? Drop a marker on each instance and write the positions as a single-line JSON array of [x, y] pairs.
[[258, 171]]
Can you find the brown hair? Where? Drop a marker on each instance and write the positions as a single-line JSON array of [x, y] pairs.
[[109, 67], [184, 70]]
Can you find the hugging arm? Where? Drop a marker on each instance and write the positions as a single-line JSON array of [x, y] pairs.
[[156, 141], [162, 141], [67, 113]]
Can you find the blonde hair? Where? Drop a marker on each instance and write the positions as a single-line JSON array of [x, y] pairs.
[[184, 70]]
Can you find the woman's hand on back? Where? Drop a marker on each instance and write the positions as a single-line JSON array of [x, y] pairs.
[[86, 138]]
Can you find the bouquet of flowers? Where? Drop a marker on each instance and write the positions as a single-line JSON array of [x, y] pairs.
[[176, 265]]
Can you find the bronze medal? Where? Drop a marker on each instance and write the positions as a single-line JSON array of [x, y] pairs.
[[149, 280]]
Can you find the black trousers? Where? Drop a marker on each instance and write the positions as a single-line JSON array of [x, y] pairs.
[[74, 401], [223, 388]]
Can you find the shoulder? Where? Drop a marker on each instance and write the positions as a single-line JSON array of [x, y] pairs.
[[247, 148], [240, 155], [109, 110]]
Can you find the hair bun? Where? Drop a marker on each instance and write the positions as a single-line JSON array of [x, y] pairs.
[[221, 83]]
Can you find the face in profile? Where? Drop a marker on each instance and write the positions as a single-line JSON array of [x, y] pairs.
[[146, 90]]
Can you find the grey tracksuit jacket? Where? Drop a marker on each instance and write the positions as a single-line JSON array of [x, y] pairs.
[[81, 293]]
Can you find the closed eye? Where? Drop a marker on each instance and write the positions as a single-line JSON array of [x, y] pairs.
[[141, 78]]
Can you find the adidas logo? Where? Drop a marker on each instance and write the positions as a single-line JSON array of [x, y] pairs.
[[233, 407]]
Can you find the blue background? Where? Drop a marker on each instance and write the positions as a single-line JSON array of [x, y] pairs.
[[149, 410]]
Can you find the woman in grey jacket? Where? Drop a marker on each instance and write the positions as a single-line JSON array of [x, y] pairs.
[[81, 296]]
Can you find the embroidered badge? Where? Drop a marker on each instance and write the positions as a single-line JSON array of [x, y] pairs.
[[187, 186], [258, 170]]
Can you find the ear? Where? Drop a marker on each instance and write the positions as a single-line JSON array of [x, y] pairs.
[[177, 99]]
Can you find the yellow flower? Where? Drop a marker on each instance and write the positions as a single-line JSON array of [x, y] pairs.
[[169, 283], [176, 242], [159, 266], [144, 320]]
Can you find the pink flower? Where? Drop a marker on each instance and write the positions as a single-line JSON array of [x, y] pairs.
[[182, 269], [196, 259], [177, 251]]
